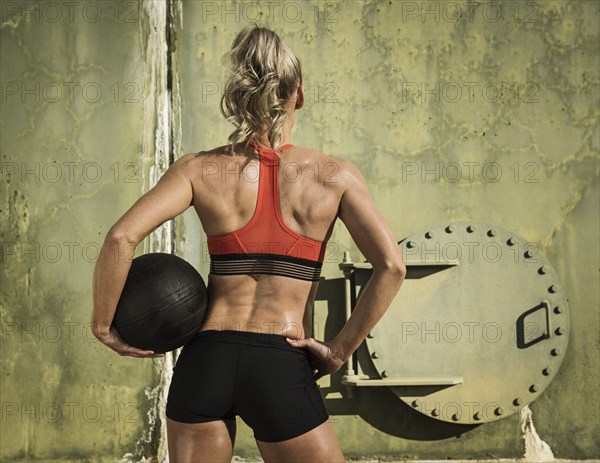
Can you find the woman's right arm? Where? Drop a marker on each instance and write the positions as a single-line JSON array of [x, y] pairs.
[[377, 243]]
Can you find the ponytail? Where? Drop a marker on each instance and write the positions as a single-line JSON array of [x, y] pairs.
[[264, 76]]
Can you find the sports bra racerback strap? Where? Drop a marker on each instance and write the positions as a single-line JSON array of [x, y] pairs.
[[266, 244]]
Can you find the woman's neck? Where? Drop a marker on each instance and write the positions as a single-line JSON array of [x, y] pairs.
[[286, 135]]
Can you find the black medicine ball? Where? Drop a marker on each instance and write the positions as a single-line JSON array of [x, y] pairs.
[[163, 303]]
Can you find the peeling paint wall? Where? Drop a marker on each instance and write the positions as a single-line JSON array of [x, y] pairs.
[[83, 135], [451, 110]]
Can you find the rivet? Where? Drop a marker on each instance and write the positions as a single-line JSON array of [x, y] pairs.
[[429, 235], [491, 232], [559, 331], [435, 412], [512, 241], [450, 229], [455, 417], [375, 355], [517, 402], [410, 244], [385, 373], [529, 253], [557, 309], [471, 228], [370, 335], [543, 270], [415, 403], [498, 411], [553, 289], [477, 416], [556, 352], [547, 371], [533, 388]]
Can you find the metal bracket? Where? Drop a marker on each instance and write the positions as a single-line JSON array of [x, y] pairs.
[[363, 380], [357, 379]]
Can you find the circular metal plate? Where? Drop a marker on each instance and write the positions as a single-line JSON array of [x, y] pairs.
[[488, 309]]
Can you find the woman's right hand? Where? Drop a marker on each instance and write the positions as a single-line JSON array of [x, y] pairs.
[[322, 355], [113, 339]]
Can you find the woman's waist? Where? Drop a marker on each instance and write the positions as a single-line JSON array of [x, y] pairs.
[[245, 338], [282, 321]]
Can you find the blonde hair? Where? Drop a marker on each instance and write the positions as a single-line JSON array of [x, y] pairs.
[[265, 74]]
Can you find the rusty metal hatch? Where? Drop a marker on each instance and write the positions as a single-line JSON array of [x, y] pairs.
[[478, 330]]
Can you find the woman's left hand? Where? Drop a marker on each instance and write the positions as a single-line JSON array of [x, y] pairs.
[[322, 358], [113, 339]]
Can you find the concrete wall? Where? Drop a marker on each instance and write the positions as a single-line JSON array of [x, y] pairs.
[[79, 127], [400, 88], [508, 91]]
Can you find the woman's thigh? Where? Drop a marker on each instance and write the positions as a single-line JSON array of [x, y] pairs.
[[319, 445], [200, 442]]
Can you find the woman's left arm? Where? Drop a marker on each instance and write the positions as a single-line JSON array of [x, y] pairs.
[[171, 196]]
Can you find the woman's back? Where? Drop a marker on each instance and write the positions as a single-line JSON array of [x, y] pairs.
[[310, 187]]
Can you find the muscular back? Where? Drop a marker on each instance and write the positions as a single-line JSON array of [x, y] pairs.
[[225, 191]]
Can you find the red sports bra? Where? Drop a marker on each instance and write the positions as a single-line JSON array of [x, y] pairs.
[[266, 244]]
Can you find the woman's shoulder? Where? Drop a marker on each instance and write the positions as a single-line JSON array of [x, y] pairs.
[[328, 168], [212, 153], [331, 169], [198, 158]]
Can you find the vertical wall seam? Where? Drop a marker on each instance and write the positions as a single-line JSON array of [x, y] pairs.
[[155, 156], [172, 23], [169, 76]]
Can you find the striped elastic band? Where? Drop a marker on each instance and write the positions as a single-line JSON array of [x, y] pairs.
[[243, 264]]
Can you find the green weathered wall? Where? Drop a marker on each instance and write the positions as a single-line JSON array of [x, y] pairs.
[[400, 88], [403, 89], [76, 121]]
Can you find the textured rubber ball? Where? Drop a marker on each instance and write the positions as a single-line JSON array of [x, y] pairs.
[[163, 303]]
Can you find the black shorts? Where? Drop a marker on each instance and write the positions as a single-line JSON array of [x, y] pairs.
[[259, 376]]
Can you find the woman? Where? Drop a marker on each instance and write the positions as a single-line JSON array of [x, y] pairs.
[[254, 355]]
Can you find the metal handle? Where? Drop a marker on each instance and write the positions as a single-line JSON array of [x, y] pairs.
[[522, 342]]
